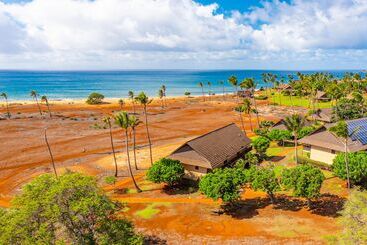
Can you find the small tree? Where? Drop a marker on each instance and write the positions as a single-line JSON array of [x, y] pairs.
[[264, 179], [132, 98], [357, 167], [294, 124], [354, 219], [222, 184], [45, 100], [167, 171], [279, 135], [187, 94], [95, 98], [5, 96], [35, 95], [304, 180], [121, 103], [261, 144]]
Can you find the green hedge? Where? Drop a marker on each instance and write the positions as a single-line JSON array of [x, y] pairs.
[[306, 160], [261, 97]]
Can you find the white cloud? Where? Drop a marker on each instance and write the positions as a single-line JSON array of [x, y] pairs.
[[112, 34]]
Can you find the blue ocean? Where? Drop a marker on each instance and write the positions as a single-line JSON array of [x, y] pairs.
[[59, 85]]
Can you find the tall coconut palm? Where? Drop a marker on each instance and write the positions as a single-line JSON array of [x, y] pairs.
[[201, 85], [134, 122], [294, 124], [121, 103], [34, 95], [161, 97], [234, 82], [132, 98], [265, 78], [247, 108], [50, 152], [249, 83], [122, 120], [5, 96], [210, 89], [341, 131], [224, 90], [107, 121], [241, 109], [45, 100], [144, 100]]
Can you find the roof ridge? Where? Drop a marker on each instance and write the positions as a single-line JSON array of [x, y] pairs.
[[201, 136]]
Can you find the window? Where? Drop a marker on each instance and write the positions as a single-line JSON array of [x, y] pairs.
[[196, 168]]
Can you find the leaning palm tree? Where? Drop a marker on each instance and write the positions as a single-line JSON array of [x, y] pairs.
[[164, 89], [294, 124], [234, 82], [45, 100], [248, 109], [132, 98], [34, 95], [107, 121], [5, 96], [50, 152], [210, 89], [144, 100], [161, 97], [241, 109], [121, 103], [134, 122], [341, 131], [201, 85], [249, 83], [122, 120]]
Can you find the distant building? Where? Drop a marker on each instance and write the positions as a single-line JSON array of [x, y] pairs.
[[323, 145], [280, 124], [322, 96], [284, 87], [323, 115], [213, 150]]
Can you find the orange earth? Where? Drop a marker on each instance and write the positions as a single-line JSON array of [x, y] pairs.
[[79, 143]]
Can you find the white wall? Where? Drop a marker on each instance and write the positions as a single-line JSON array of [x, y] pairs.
[[322, 154]]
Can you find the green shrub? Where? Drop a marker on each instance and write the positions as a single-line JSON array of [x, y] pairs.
[[261, 97], [95, 98], [307, 160], [305, 131], [264, 179], [167, 171], [261, 144], [357, 167], [111, 180]]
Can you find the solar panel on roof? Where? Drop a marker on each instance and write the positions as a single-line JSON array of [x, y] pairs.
[[358, 129]]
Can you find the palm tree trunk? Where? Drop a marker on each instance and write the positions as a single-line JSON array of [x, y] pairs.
[[224, 93], [242, 124], [49, 111], [257, 112], [252, 129], [346, 162], [51, 156], [133, 106], [7, 107], [128, 162], [134, 148], [295, 148], [148, 135], [39, 108], [113, 149], [202, 91], [236, 94]]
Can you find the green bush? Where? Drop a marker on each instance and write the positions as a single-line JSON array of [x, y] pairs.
[[357, 167], [111, 180], [279, 135], [95, 98], [261, 97], [305, 131], [264, 179], [306, 160], [261, 144], [167, 171]]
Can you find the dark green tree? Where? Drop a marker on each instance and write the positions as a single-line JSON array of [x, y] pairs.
[[355, 171], [264, 179], [261, 145], [95, 98], [167, 171], [5, 96]]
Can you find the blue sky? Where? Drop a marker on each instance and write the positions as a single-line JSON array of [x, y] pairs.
[[187, 34]]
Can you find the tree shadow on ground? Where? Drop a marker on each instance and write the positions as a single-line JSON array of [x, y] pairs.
[[244, 209], [154, 240], [328, 205], [286, 203], [276, 158], [185, 187]]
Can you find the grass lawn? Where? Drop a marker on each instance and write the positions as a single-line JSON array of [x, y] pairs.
[[150, 210], [281, 99]]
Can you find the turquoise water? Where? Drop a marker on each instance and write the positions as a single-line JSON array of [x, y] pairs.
[[116, 84]]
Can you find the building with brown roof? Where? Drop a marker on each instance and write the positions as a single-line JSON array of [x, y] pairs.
[[324, 115], [284, 87], [212, 150], [323, 145], [322, 96], [280, 124]]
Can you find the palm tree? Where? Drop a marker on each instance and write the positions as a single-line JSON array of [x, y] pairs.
[[250, 84], [161, 97], [132, 98], [234, 82], [224, 90], [5, 96], [240, 109], [122, 120], [248, 109], [210, 90], [201, 85], [50, 152], [294, 124], [134, 122], [44, 99], [144, 100], [34, 95], [341, 131], [265, 78], [121, 103], [107, 121]]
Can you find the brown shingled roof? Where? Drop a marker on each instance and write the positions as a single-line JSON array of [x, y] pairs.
[[324, 115], [213, 149]]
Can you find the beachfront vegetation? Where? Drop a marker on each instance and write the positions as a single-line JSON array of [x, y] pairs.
[[134, 122], [304, 180], [121, 103], [71, 209], [355, 170], [5, 96], [35, 95], [95, 98], [166, 171], [44, 99]]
